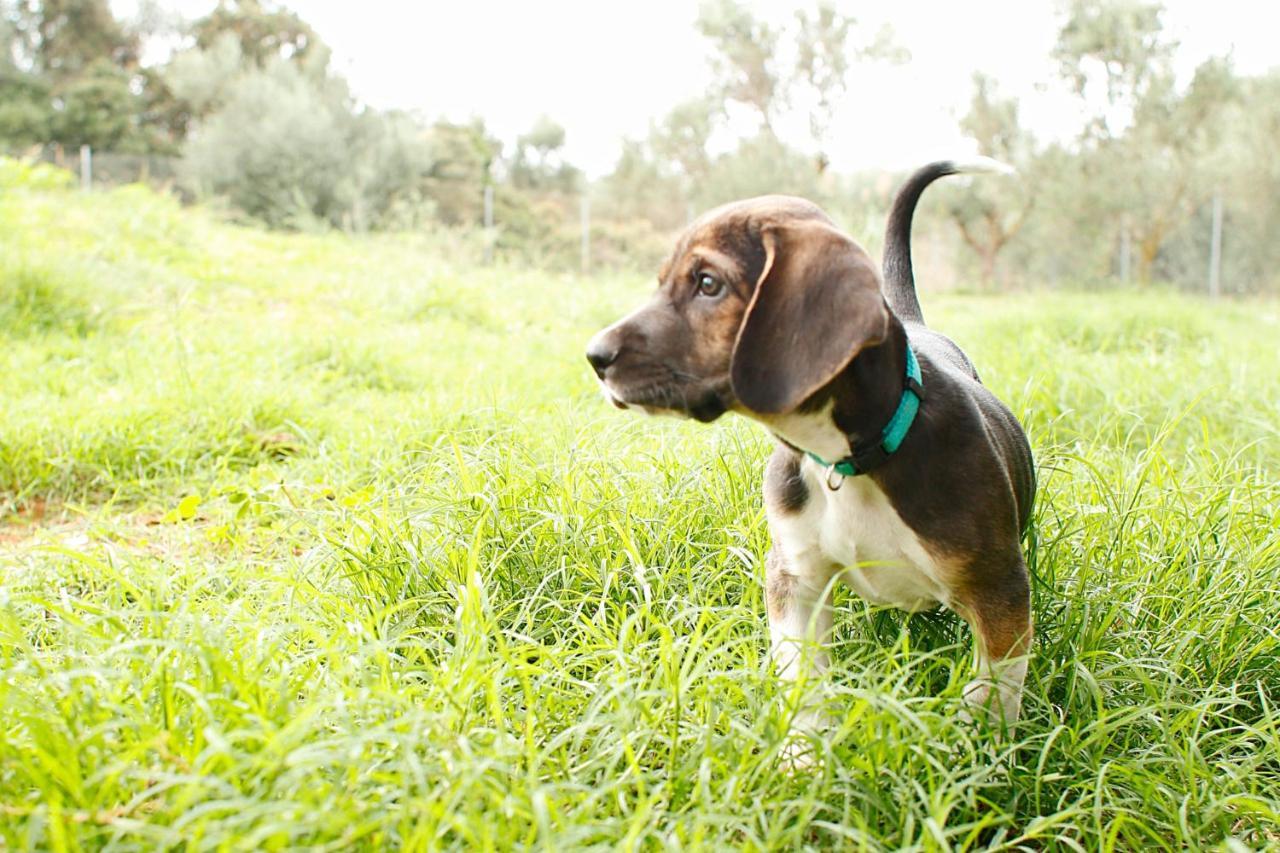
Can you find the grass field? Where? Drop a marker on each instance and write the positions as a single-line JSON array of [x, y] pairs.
[[323, 541]]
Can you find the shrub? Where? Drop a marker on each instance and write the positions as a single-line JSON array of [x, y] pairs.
[[22, 174]]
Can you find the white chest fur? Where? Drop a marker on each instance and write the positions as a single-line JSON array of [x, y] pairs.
[[856, 529]]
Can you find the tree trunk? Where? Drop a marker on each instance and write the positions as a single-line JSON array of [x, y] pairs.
[[1148, 248], [989, 253]]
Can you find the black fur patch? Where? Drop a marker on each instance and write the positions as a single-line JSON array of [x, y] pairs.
[[784, 487]]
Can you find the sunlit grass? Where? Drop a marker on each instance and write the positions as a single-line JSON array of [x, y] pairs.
[[320, 542]]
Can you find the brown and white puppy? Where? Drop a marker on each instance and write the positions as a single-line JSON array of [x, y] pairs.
[[765, 308]]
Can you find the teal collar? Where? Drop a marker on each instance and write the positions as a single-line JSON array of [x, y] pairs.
[[868, 456]]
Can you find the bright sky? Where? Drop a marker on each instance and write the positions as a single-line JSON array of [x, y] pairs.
[[605, 70]]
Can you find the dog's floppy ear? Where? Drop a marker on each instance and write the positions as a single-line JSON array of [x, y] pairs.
[[817, 305]]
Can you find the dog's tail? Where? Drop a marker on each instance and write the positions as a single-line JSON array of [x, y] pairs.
[[899, 281]]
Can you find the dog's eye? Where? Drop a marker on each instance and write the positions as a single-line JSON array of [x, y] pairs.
[[709, 285]]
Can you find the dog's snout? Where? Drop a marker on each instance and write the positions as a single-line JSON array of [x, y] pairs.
[[603, 351]]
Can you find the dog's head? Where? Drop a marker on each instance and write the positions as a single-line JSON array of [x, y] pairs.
[[762, 303]]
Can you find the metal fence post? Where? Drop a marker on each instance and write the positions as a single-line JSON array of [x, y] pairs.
[[1126, 253], [488, 223], [586, 233], [1215, 249], [86, 168]]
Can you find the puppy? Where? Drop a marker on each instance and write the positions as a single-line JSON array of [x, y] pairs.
[[896, 471]]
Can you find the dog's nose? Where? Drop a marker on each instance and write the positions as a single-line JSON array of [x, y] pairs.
[[602, 352]]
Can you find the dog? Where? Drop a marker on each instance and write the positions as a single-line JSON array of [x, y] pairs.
[[896, 471]]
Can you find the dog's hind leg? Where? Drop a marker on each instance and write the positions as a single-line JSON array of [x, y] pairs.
[[1001, 621]]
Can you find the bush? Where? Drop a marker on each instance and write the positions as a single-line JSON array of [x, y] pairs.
[[22, 174], [288, 149], [277, 149]]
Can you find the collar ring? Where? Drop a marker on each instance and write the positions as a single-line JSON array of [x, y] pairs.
[[834, 478]]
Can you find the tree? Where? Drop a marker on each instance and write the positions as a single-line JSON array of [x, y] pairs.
[[681, 138], [544, 139], [462, 160], [823, 63], [202, 78], [97, 109], [991, 213], [278, 148], [1161, 155], [538, 163], [744, 61], [70, 73], [1121, 40], [278, 134], [77, 35], [1248, 173], [264, 31], [644, 186], [26, 107], [761, 164], [17, 41], [26, 111], [1148, 157], [797, 65], [237, 37]]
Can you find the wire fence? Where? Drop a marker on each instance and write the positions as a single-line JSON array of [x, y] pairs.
[[106, 168], [1203, 263]]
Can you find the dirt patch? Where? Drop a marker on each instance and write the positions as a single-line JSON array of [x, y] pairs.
[[30, 518]]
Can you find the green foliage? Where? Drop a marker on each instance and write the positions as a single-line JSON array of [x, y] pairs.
[[74, 37], [202, 78], [1153, 172], [990, 213], [281, 139], [328, 541], [772, 68], [1121, 40], [1248, 178], [462, 163], [26, 115], [264, 32], [21, 175], [753, 69], [642, 188], [760, 165], [828, 51], [286, 148], [538, 163], [278, 147], [682, 137], [70, 76], [744, 57], [98, 109], [278, 138]]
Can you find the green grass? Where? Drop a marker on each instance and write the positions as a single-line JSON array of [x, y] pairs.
[[319, 541]]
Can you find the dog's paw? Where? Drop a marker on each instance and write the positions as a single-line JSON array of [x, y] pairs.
[[996, 707], [800, 751], [799, 755]]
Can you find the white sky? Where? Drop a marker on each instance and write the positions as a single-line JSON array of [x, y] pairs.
[[606, 69]]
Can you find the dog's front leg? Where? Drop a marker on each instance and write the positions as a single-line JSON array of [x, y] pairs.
[[799, 603]]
